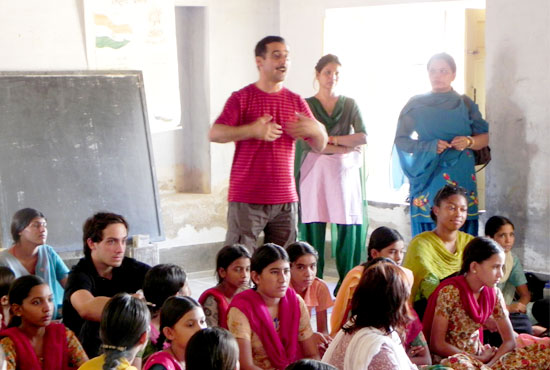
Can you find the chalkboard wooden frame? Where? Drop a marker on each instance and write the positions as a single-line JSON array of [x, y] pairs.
[[73, 143]]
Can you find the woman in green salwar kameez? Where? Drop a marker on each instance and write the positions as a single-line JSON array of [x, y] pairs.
[[331, 184]]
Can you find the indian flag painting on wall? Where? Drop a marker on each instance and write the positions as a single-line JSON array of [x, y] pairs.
[[109, 34]]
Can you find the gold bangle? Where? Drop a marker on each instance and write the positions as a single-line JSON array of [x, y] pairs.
[[470, 141]]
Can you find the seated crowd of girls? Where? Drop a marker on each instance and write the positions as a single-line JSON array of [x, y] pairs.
[[430, 313]]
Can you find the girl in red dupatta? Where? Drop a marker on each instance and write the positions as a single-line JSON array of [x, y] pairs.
[[233, 272], [460, 306], [32, 341], [271, 322]]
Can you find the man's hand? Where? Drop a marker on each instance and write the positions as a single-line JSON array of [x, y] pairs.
[[264, 129], [304, 128]]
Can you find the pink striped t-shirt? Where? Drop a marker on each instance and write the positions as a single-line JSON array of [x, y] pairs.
[[263, 172]]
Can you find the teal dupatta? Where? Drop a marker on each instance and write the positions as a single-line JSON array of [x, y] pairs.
[[433, 117]]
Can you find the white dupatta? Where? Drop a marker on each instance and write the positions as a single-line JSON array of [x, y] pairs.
[[367, 343]]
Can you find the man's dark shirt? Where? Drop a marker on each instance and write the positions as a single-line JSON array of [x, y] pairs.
[[126, 278]]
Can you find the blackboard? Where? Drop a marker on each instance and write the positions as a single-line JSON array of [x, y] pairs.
[[76, 143]]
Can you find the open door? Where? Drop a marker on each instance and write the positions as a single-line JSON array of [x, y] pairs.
[[474, 74]]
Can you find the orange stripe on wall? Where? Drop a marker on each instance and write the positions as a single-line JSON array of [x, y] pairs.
[[103, 20]]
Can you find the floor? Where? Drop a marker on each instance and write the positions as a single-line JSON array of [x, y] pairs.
[[202, 280]]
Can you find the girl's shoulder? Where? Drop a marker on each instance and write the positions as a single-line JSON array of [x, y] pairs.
[[449, 290], [319, 283], [164, 359], [422, 244], [320, 288], [211, 292], [322, 291], [448, 298], [6, 342], [48, 249], [464, 238], [415, 102]]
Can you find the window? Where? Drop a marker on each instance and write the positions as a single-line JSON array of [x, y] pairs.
[[384, 50]]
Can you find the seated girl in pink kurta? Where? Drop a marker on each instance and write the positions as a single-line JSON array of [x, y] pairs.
[[271, 322], [233, 271], [460, 306]]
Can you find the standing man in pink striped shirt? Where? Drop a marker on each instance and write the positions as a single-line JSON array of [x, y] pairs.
[[264, 119]]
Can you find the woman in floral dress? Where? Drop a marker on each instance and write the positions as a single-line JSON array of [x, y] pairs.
[[461, 305]]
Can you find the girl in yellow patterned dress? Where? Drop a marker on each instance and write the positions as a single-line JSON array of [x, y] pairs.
[[460, 306]]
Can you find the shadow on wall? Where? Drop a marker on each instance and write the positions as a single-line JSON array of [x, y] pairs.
[[508, 173]]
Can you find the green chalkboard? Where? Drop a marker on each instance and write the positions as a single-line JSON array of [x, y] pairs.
[[72, 144]]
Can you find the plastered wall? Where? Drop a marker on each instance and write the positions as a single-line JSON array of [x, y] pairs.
[[518, 108]]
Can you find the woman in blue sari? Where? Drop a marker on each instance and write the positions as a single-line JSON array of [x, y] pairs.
[[436, 135]]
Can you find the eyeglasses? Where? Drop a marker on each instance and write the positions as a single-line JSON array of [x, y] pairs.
[[278, 55], [441, 71], [38, 224]]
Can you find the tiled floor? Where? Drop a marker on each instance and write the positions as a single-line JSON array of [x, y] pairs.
[[200, 281]]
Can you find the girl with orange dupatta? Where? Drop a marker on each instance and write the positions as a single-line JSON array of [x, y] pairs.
[[459, 307], [32, 341], [271, 322]]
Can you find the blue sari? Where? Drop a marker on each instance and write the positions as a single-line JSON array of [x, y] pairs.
[[433, 117]]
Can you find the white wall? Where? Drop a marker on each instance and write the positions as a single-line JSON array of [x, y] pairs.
[[518, 96], [50, 35], [235, 28], [38, 36]]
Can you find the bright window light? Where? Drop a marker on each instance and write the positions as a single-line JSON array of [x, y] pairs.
[[384, 50]]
